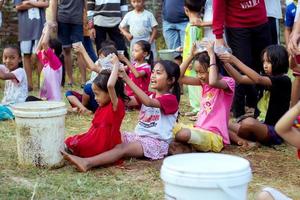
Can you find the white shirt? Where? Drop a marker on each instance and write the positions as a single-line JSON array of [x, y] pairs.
[[273, 8], [15, 90]]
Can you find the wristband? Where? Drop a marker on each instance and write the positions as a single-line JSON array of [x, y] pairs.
[[213, 64]]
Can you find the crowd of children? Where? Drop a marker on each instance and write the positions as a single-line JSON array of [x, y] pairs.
[[216, 79]]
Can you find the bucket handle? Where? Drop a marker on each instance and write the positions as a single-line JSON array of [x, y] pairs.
[[228, 191]]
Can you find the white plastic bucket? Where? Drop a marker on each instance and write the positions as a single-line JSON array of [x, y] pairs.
[[166, 54], [206, 176], [40, 127]]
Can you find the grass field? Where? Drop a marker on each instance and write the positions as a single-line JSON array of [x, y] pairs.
[[137, 179]]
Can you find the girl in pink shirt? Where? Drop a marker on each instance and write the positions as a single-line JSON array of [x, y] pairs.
[[210, 131], [140, 69]]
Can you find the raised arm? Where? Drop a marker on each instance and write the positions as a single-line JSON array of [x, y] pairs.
[[183, 67], [89, 63], [284, 127], [44, 40], [143, 97], [136, 73], [214, 79], [253, 75], [112, 82]]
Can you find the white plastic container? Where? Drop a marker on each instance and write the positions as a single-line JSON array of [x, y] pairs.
[[40, 127], [206, 176], [166, 54]]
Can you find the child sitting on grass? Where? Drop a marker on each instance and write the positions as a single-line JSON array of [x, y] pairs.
[[153, 132], [210, 131], [85, 103], [104, 133], [15, 89], [274, 102]]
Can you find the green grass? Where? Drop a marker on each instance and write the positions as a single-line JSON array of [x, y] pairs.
[[138, 179]]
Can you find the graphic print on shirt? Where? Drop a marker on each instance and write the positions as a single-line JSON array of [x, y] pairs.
[[208, 101], [149, 117], [249, 3]]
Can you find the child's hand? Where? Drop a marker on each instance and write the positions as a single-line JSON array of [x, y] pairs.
[[227, 58], [210, 48], [78, 47], [128, 36], [122, 58], [122, 73], [194, 50], [114, 59]]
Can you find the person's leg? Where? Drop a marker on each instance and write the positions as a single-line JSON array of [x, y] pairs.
[[123, 150], [239, 40], [269, 193], [253, 130], [295, 95], [171, 35], [75, 99], [88, 45], [100, 36], [64, 35], [273, 30], [88, 98], [26, 49], [181, 29], [116, 36]]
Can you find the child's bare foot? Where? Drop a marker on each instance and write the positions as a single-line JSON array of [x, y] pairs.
[[80, 163], [72, 110], [245, 145], [85, 111], [177, 148]]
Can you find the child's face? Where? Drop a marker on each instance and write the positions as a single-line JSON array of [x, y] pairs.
[[101, 97], [137, 4], [267, 64], [159, 78], [138, 53], [201, 71], [11, 58]]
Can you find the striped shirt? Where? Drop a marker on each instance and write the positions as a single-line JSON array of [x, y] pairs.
[[106, 13]]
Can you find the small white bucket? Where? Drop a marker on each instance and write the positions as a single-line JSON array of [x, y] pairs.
[[166, 54], [40, 127], [206, 176]]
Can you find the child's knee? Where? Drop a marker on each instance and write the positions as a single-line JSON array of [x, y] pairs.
[[68, 93], [183, 135], [264, 196], [248, 122]]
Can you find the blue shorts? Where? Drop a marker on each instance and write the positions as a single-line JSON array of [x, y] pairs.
[[275, 139], [69, 33], [92, 105]]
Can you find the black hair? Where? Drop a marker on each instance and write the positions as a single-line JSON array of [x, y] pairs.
[[278, 57], [195, 5], [17, 48], [106, 43], [105, 51], [101, 82], [146, 47], [173, 71], [204, 59]]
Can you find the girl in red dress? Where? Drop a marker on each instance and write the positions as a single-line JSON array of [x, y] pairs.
[[104, 133]]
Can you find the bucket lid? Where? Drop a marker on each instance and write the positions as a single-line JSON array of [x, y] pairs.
[[205, 169], [39, 109]]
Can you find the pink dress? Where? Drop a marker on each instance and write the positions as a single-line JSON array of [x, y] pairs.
[[142, 82], [51, 75], [215, 109]]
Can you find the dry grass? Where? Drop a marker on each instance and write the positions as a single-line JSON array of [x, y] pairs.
[[139, 179]]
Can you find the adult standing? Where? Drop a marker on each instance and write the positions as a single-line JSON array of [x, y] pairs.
[[107, 15], [274, 13], [174, 23], [68, 16], [31, 20], [247, 33]]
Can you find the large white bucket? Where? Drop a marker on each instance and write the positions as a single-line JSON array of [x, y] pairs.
[[206, 176], [40, 132]]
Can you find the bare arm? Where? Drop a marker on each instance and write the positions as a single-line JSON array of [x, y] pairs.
[[153, 34], [287, 33], [143, 97], [284, 127], [214, 79], [89, 63], [126, 33], [25, 5], [253, 75], [136, 73], [237, 76], [7, 76], [112, 82], [39, 4]]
